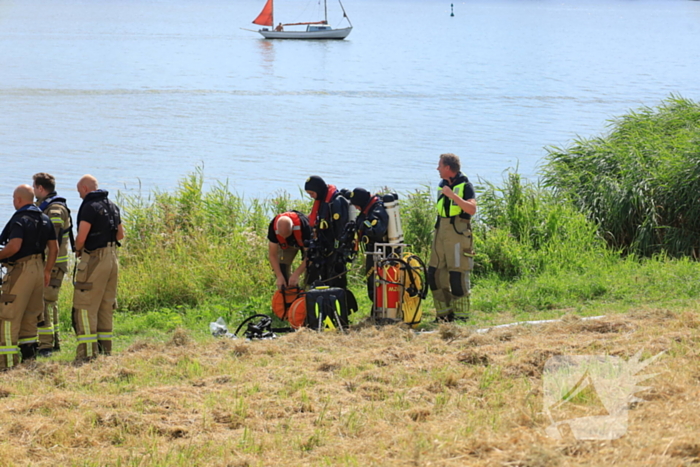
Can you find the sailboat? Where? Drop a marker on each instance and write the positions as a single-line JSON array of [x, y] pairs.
[[314, 29]]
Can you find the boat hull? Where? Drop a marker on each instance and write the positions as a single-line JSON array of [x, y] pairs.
[[308, 35]]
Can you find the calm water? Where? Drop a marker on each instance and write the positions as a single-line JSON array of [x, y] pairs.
[[140, 92]]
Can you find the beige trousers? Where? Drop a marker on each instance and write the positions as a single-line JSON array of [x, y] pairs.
[[451, 261], [286, 258], [48, 328], [21, 304], [94, 301]]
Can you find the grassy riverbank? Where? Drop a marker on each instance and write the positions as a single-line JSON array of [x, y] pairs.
[[195, 255]]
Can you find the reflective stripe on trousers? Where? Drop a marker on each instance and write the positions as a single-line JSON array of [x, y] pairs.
[[9, 351]]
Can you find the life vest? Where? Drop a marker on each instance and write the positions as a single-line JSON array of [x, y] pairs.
[[296, 230], [66, 231], [316, 210], [445, 206], [42, 223], [100, 235], [373, 200], [54, 199]]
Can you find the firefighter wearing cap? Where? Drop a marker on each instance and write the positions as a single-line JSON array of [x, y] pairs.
[[25, 238], [329, 217], [451, 259], [95, 294], [286, 236], [56, 209], [373, 223]]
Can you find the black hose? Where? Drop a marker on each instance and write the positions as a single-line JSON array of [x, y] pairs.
[[249, 318]]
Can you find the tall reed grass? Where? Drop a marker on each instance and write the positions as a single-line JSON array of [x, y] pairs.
[[194, 246], [523, 229], [639, 182]]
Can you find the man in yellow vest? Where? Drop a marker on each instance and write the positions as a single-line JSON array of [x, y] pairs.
[[452, 256], [55, 207]]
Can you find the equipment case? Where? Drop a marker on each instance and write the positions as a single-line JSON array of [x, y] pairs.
[[327, 308]]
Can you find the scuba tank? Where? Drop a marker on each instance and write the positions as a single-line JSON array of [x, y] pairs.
[[400, 287], [353, 212], [394, 230], [415, 289], [387, 297]]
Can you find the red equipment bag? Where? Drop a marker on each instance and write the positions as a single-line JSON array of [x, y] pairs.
[[287, 304]]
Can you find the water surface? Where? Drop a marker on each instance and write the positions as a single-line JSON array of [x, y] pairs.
[[140, 92]]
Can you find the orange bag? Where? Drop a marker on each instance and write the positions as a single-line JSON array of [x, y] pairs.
[[285, 304], [297, 312]]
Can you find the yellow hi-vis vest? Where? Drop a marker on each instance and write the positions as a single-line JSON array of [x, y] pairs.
[[443, 200]]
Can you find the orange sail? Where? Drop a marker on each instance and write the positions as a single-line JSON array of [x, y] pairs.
[[265, 16]]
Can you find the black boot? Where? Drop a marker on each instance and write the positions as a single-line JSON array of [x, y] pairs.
[[28, 352], [448, 318]]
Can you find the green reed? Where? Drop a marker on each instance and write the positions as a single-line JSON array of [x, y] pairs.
[[186, 247], [524, 229], [640, 181], [193, 245], [196, 246], [418, 220]]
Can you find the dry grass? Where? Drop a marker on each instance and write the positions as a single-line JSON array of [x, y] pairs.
[[372, 397]]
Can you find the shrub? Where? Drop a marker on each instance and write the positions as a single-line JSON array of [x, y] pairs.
[[184, 247], [524, 229], [640, 182], [418, 220]]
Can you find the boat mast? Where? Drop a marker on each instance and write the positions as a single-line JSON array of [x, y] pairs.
[[345, 15], [325, 10]]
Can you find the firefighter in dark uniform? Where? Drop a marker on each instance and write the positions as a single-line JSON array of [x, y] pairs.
[[329, 217], [55, 207], [95, 296], [452, 256], [25, 238], [286, 236], [372, 226]]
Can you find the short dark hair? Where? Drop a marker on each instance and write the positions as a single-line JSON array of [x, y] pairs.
[[451, 161], [46, 181]]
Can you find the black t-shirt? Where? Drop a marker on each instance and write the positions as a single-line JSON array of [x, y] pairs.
[[34, 228], [103, 216], [291, 240], [469, 192]]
